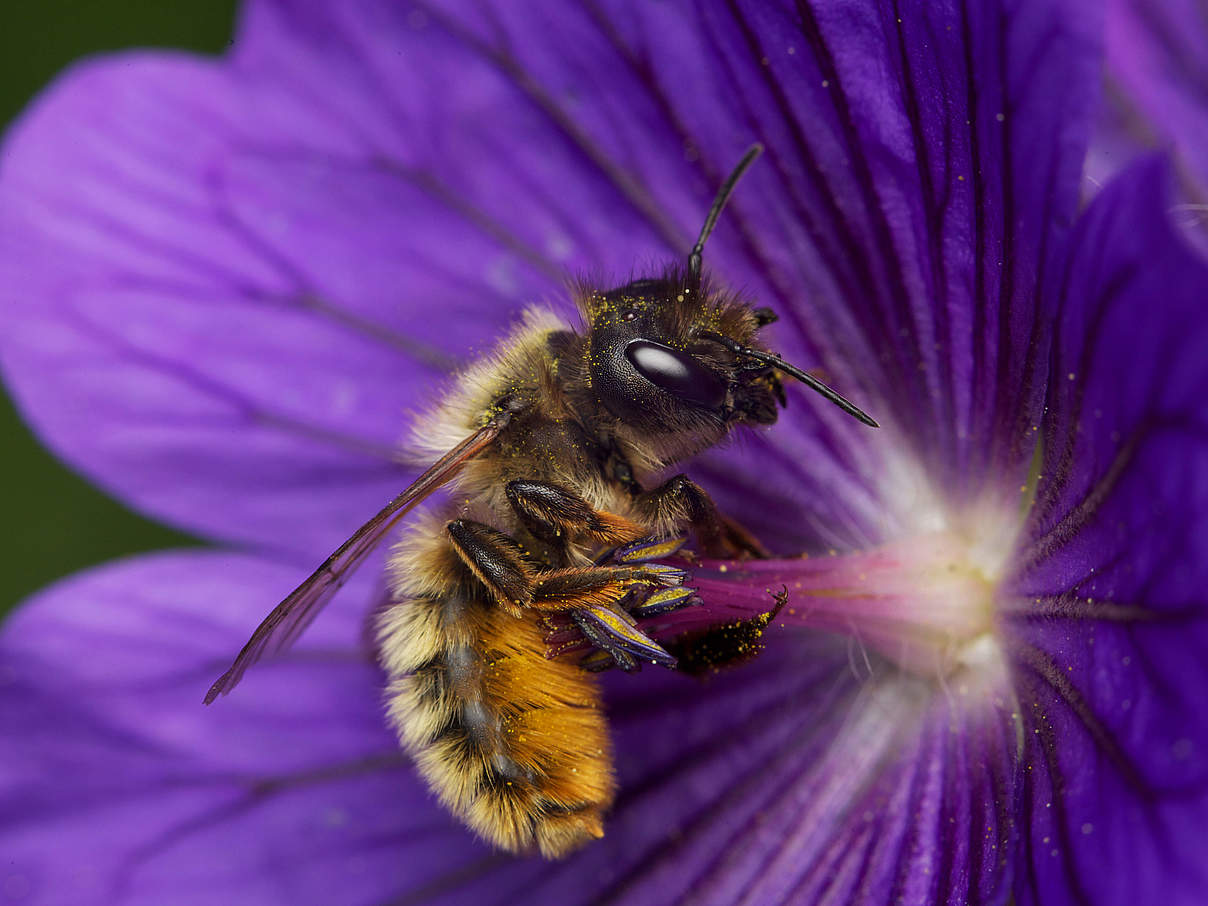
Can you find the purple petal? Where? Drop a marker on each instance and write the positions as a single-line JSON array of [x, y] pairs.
[[1108, 612], [829, 783], [1157, 54], [118, 786], [929, 162], [221, 318], [227, 270]]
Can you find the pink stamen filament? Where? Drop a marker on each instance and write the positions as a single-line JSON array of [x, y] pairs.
[[920, 601]]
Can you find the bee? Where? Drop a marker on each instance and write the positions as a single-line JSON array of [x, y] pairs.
[[553, 444]]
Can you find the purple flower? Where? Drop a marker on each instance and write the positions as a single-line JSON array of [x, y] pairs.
[[226, 283], [1157, 55]]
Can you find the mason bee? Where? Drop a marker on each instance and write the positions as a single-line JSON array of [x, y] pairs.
[[551, 443]]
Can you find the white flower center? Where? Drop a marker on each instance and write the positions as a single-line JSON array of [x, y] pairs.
[[926, 602]]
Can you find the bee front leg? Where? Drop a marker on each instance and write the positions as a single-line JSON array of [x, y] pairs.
[[552, 512], [681, 501], [500, 564]]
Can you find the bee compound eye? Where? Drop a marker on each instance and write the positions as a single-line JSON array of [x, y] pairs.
[[676, 372]]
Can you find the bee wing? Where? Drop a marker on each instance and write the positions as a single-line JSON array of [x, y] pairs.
[[289, 618]]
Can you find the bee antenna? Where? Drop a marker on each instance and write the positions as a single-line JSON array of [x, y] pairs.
[[719, 202], [781, 365]]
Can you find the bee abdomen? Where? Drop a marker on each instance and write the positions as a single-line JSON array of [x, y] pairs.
[[513, 743]]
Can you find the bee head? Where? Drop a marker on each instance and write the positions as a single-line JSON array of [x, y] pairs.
[[661, 356], [669, 355]]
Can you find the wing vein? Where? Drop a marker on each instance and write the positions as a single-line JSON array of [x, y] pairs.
[[289, 619]]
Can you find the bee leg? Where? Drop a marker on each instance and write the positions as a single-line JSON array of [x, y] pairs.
[[608, 653], [553, 513], [593, 598], [598, 586], [496, 560], [765, 316], [501, 566], [743, 541], [663, 601], [680, 500]]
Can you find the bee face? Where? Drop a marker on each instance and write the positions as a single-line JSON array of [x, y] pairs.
[[655, 360]]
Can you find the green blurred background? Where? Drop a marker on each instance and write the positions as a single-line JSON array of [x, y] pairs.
[[56, 523]]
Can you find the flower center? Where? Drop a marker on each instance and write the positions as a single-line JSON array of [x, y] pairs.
[[926, 602]]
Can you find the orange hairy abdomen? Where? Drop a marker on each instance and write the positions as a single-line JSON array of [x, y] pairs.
[[513, 743]]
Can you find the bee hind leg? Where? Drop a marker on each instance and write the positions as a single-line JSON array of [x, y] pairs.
[[496, 561]]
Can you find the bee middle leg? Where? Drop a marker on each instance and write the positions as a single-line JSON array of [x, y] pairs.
[[591, 595], [556, 514], [595, 597]]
